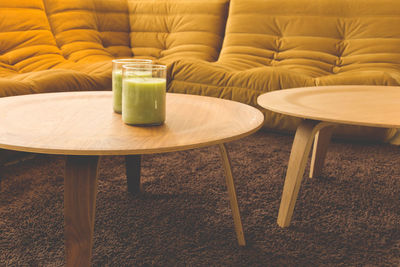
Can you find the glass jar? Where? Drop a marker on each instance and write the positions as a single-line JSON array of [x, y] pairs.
[[144, 94], [117, 79]]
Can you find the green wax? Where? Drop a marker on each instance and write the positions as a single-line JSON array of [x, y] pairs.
[[117, 91], [117, 86], [143, 101]]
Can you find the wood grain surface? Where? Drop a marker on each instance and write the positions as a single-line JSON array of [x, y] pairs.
[[83, 123], [376, 106], [226, 161], [80, 191]]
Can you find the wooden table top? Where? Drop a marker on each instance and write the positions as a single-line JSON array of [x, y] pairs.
[[376, 106], [83, 123]]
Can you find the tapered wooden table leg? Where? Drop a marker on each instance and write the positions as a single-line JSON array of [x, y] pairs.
[[321, 143], [297, 162], [132, 165], [80, 190], [232, 195]]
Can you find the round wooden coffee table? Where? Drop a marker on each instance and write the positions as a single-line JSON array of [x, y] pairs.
[[82, 126], [323, 108]]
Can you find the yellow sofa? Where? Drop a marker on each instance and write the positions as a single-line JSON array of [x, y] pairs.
[[234, 49], [56, 45]]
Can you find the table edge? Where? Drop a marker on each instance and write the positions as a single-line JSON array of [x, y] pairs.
[[130, 152], [319, 118]]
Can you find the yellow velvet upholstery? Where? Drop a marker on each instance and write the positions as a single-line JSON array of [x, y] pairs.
[[26, 40], [90, 30], [172, 30], [234, 49]]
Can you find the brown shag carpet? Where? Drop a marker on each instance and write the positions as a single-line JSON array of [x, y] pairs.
[[348, 217]]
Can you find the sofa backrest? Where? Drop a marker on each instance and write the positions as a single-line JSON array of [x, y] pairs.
[[170, 29], [98, 30], [316, 37], [26, 39], [90, 29]]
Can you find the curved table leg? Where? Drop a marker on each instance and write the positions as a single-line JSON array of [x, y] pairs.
[[321, 143], [297, 162], [132, 166], [80, 190], [232, 195]]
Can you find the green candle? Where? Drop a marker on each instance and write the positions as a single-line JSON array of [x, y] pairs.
[[143, 100], [117, 78], [117, 90], [117, 87]]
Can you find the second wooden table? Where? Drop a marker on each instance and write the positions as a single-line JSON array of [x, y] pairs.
[[323, 108]]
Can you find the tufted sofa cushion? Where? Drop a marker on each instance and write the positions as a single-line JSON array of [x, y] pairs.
[[277, 44], [90, 30], [26, 39], [174, 29]]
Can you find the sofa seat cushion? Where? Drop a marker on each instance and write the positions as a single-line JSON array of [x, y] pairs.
[[218, 80], [245, 85], [46, 81], [215, 79], [368, 76], [66, 76], [11, 87]]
